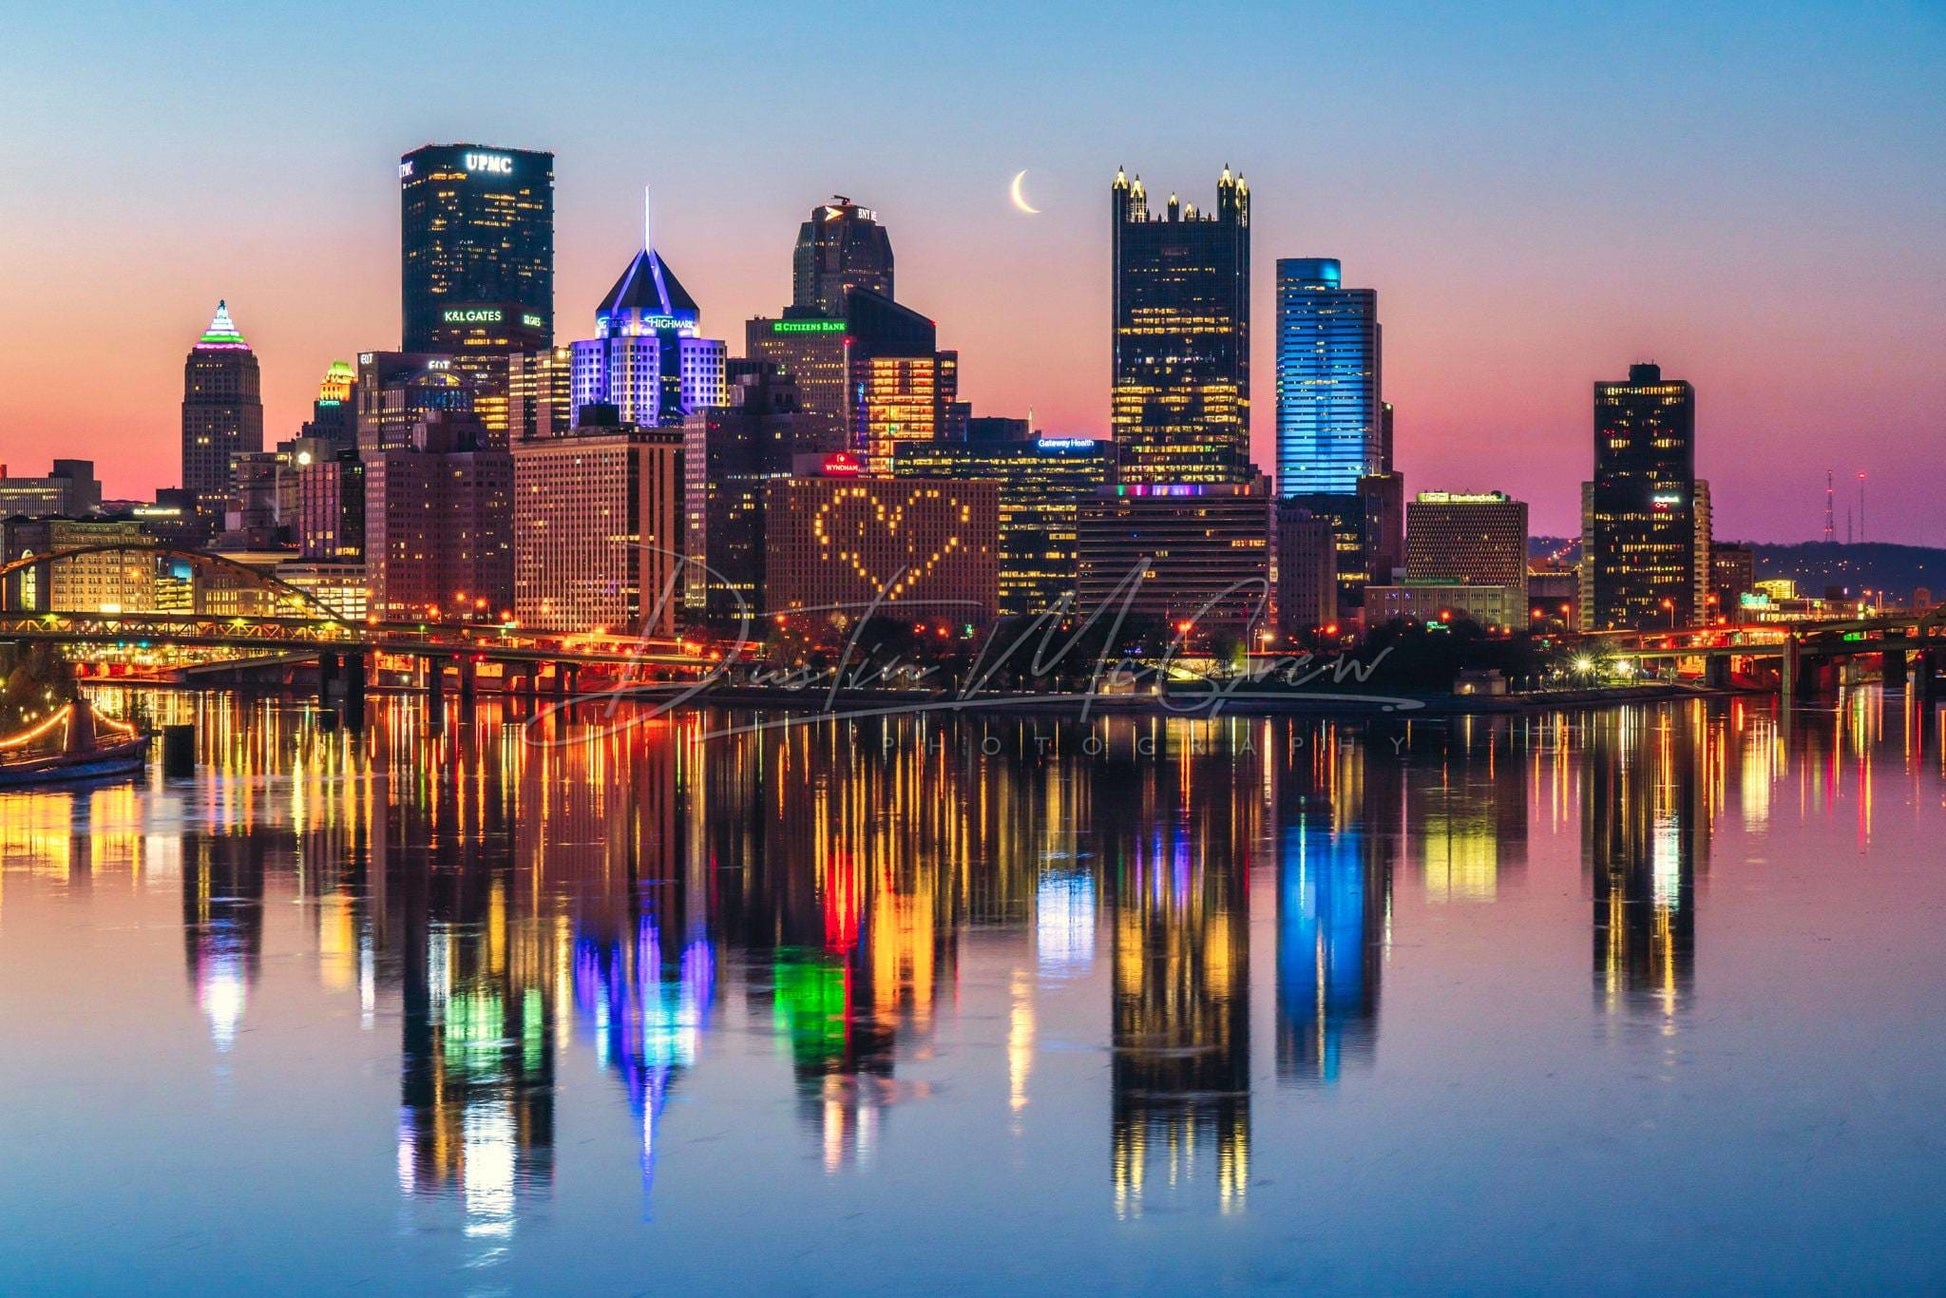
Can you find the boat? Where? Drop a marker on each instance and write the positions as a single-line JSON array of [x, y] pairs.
[[25, 763]]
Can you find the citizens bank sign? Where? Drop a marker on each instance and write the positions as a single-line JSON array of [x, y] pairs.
[[494, 164]]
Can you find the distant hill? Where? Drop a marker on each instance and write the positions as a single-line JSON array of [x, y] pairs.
[[1815, 565]]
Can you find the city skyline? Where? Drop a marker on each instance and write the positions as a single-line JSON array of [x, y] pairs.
[[1526, 243]]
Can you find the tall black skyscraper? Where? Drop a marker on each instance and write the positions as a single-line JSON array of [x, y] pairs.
[[1645, 517], [841, 247], [222, 413], [477, 227], [1181, 407]]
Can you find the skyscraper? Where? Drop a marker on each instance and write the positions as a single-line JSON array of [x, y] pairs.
[[477, 244], [1181, 341], [1331, 425], [1641, 563], [646, 358], [222, 412], [840, 248]]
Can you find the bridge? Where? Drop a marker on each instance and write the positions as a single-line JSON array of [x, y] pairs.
[[1803, 656], [288, 621]]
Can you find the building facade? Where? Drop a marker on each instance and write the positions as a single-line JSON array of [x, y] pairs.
[[1493, 607], [1180, 406], [598, 531], [106, 581], [540, 393], [1042, 482], [331, 504], [1185, 553], [1733, 574], [69, 490], [397, 391], [476, 249], [816, 353], [839, 545], [729, 455], [1331, 423], [439, 525], [1642, 563], [222, 413], [1307, 571], [1467, 538]]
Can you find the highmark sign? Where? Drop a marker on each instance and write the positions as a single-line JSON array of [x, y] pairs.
[[807, 326]]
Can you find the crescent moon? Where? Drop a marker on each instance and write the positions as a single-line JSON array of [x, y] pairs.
[[1020, 199]]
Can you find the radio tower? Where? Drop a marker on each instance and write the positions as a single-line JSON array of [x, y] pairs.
[[1861, 509], [1830, 513]]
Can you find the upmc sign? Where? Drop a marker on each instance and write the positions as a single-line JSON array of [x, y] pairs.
[[497, 164]]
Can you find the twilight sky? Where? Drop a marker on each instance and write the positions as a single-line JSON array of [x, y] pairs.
[[1752, 194]]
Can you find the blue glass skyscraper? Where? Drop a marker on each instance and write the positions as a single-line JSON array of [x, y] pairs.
[[1329, 418]]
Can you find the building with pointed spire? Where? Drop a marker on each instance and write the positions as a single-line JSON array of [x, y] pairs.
[[1180, 407], [222, 413], [647, 358]]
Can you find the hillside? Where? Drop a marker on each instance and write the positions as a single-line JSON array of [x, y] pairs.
[[1815, 565]]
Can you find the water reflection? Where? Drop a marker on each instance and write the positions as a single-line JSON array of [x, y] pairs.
[[855, 894], [1648, 786], [1178, 857], [223, 925]]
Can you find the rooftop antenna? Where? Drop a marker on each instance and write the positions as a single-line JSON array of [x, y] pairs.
[[1861, 508], [1830, 515], [648, 221]]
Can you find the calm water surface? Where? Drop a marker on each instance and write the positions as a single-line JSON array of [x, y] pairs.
[[1643, 1000]]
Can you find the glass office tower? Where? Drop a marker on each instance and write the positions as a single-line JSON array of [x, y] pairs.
[[1330, 421], [476, 249]]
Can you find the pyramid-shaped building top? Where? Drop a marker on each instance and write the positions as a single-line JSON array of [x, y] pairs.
[[222, 334], [647, 298]]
